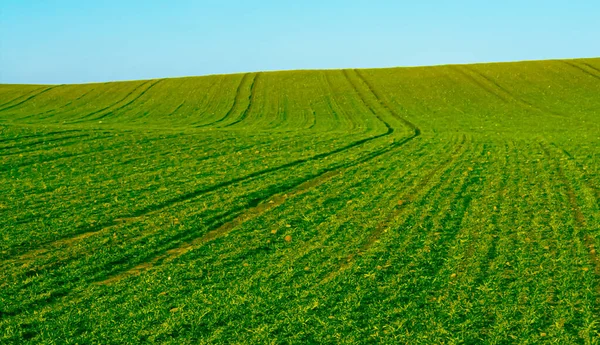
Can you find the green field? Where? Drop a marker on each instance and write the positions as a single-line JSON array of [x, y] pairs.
[[450, 204]]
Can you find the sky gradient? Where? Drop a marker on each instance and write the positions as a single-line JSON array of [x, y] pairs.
[[68, 41]]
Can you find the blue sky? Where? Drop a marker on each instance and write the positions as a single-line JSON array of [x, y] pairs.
[[68, 41]]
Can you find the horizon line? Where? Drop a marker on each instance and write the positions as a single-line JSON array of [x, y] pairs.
[[311, 69]]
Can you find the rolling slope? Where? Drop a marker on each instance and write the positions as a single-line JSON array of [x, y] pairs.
[[446, 204]]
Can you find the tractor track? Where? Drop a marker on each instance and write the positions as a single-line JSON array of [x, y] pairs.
[[251, 101], [497, 90], [580, 221], [21, 96], [405, 199], [29, 98], [262, 206], [87, 116], [581, 69], [236, 100], [130, 102]]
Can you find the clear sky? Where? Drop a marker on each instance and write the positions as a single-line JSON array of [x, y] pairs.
[[73, 41]]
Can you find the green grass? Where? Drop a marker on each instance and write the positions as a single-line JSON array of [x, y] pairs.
[[449, 204]]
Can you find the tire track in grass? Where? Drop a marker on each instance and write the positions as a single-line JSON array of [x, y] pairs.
[[35, 136], [504, 98], [130, 102], [314, 118], [191, 195], [21, 96], [386, 105], [274, 200], [64, 242], [261, 206], [56, 109], [582, 69], [154, 208], [251, 101], [590, 66], [374, 236], [497, 90], [236, 100], [40, 142], [369, 106], [41, 161], [405, 199], [580, 221], [416, 154], [176, 109], [29, 98], [587, 181], [492, 252], [250, 213], [328, 93], [82, 139], [87, 116]]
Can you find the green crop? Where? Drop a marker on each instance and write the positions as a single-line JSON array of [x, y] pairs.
[[431, 205]]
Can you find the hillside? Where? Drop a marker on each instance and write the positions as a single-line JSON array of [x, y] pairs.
[[447, 204]]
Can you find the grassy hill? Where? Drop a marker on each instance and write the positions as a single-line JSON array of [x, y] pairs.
[[449, 204]]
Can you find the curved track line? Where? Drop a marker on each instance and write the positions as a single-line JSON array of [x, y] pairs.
[[85, 117], [590, 184], [590, 66], [40, 142], [251, 101], [275, 199], [130, 102], [407, 197], [191, 195], [236, 101], [176, 109], [492, 252], [264, 205], [36, 136], [364, 101], [250, 213], [328, 94], [21, 96], [580, 221], [581, 69], [386, 105], [503, 93], [29, 98], [56, 109]]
